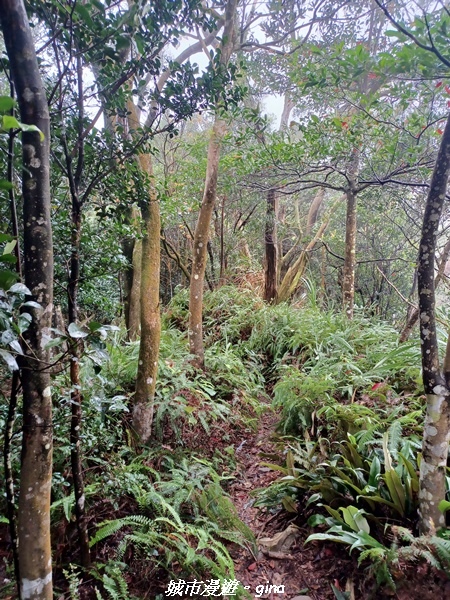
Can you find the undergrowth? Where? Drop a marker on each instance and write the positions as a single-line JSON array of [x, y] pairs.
[[351, 412]]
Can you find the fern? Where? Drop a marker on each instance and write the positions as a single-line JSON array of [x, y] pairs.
[[221, 510]]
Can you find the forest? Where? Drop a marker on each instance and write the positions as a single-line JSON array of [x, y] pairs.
[[224, 299]]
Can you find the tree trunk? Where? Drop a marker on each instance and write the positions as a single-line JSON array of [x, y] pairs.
[[295, 272], [150, 317], [271, 268], [436, 381], [35, 560], [314, 211], [134, 298], [413, 315], [348, 279], [348, 274], [132, 249], [288, 105], [201, 235], [144, 396], [75, 347], [222, 242], [76, 397]]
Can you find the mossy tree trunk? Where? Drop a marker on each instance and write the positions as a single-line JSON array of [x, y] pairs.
[[436, 380], [150, 320], [35, 560], [132, 249]]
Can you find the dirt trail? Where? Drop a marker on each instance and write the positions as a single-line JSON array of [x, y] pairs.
[[304, 571]]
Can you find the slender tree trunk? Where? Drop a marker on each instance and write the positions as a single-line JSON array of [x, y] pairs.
[[293, 275], [413, 315], [222, 242], [144, 397], [348, 279], [348, 275], [11, 194], [291, 278], [201, 235], [314, 211], [35, 560], [134, 298], [150, 319], [271, 267], [127, 249], [75, 348], [132, 249], [76, 397], [288, 105], [436, 381]]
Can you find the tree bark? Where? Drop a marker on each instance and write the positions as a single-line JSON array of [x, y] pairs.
[[35, 560], [132, 249], [413, 315], [294, 273], [134, 299], [348, 275], [201, 235], [271, 268], [314, 211], [436, 381], [144, 397]]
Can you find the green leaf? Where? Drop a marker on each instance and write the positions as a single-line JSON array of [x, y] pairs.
[[289, 504], [7, 278], [6, 103], [31, 129], [315, 520], [32, 304], [8, 258], [444, 506], [340, 595], [5, 185], [396, 490], [23, 322], [354, 519], [342, 538], [76, 332], [374, 474], [55, 342], [84, 14], [9, 247], [9, 360], [10, 122], [94, 326], [394, 33], [313, 499], [20, 288], [412, 472]]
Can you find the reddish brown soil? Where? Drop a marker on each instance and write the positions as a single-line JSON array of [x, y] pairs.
[[310, 570]]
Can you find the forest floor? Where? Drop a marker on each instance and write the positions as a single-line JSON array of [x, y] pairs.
[[307, 572], [284, 568]]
